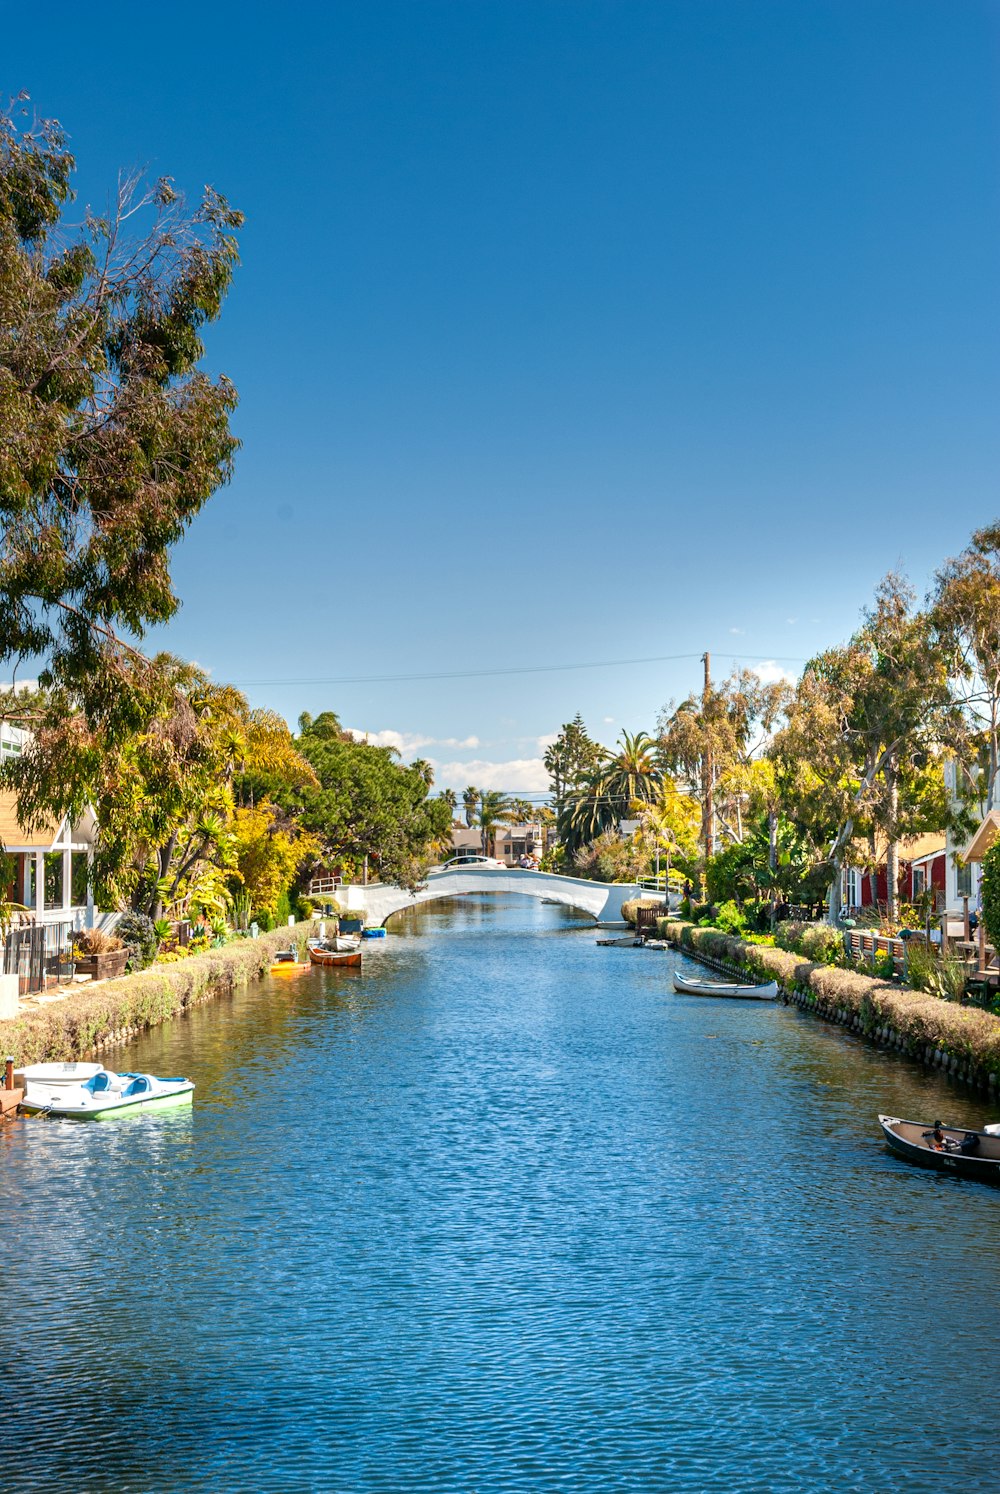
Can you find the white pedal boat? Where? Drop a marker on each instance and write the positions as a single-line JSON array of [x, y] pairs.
[[59, 1073], [767, 992], [106, 1094]]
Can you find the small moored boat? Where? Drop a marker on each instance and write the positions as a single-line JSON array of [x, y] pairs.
[[325, 952], [59, 1073], [287, 962], [106, 1094], [373, 933], [766, 992], [971, 1154]]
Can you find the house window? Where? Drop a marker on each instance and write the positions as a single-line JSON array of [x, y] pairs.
[[963, 880], [919, 880], [850, 887]]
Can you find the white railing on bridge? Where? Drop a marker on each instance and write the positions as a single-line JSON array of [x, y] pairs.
[[324, 886]]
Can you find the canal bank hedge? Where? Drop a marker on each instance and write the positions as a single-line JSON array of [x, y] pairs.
[[91, 1019], [960, 1039]]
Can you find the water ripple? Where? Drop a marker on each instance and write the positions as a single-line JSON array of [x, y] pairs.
[[503, 1214]]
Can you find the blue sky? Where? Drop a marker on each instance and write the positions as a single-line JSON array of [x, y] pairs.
[[564, 332]]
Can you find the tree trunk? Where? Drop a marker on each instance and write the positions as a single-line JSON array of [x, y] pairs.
[[892, 849], [837, 851]]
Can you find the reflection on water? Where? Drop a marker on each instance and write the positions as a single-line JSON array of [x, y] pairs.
[[498, 1212]]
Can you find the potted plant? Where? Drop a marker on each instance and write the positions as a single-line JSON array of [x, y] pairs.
[[101, 956]]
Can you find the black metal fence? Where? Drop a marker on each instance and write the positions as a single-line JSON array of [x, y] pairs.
[[35, 952]]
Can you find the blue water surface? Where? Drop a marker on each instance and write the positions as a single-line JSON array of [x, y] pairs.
[[499, 1212]]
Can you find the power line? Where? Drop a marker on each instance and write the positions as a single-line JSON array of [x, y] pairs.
[[471, 674]]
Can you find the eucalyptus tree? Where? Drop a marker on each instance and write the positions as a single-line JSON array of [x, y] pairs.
[[864, 720], [111, 436], [710, 740], [965, 606]]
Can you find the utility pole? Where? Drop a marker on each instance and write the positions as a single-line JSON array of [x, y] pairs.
[[708, 772]]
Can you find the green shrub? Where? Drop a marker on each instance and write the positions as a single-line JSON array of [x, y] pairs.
[[111, 1011], [921, 965], [817, 941], [990, 891], [138, 934], [631, 906], [730, 919], [283, 910]]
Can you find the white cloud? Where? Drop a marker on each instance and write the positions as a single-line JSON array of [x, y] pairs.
[[769, 672], [407, 743], [609, 720], [518, 775], [739, 631], [791, 621], [404, 742], [545, 741]]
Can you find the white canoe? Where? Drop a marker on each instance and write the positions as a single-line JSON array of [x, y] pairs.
[[105, 1095], [768, 992]]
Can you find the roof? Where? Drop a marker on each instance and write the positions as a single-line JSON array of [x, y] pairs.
[[916, 848], [14, 838], [983, 838]]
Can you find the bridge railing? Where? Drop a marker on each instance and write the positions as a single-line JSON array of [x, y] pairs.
[[324, 886]]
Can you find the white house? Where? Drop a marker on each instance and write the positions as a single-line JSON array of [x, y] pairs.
[[961, 880]]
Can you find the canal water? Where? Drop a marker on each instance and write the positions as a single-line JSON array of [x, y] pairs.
[[499, 1212]]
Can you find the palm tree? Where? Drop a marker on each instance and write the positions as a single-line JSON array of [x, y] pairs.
[[631, 776], [495, 808], [470, 800], [451, 799], [423, 767]]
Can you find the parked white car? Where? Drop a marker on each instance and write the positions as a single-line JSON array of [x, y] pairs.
[[472, 861]]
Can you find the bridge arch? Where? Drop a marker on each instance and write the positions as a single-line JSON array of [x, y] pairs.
[[602, 900]]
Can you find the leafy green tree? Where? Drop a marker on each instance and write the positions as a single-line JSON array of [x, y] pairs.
[[710, 740], [571, 761], [367, 805], [111, 437], [966, 616], [863, 715], [163, 794]]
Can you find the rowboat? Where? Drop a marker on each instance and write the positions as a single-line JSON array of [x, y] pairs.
[[106, 1094], [767, 992], [971, 1154], [373, 933], [325, 954]]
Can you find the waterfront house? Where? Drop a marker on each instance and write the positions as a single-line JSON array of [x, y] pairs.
[[512, 841], [50, 866], [922, 866]]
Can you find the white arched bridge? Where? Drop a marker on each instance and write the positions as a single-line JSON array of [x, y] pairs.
[[602, 900]]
